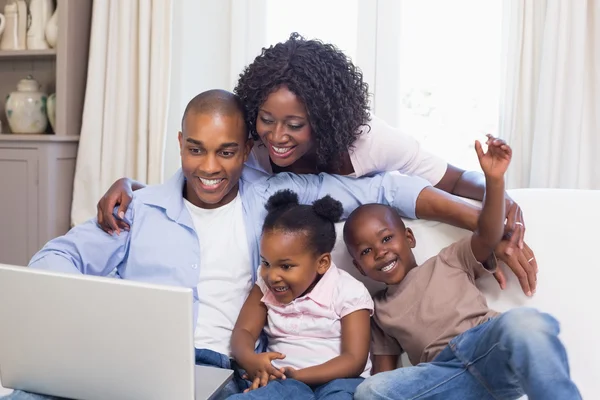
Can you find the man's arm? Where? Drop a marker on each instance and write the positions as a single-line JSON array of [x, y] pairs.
[[412, 196], [85, 249]]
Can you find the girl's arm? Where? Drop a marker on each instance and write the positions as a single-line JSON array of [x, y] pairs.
[[356, 337], [384, 363], [246, 331], [250, 322]]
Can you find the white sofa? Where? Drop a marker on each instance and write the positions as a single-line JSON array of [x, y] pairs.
[[562, 229]]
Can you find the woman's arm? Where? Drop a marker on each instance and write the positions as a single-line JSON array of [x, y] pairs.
[[120, 193], [386, 148], [436, 205], [356, 336], [471, 185]]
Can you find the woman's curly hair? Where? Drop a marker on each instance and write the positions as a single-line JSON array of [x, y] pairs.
[[326, 81]]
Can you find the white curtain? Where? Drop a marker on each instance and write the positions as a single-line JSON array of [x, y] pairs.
[[550, 106], [126, 101]]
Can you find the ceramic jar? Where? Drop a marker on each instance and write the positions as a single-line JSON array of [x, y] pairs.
[[15, 26], [2, 23], [52, 30], [51, 111], [40, 12], [26, 108], [9, 24]]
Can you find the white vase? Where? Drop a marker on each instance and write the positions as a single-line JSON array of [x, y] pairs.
[[51, 111], [40, 11], [23, 21], [52, 30], [10, 26], [26, 108], [2, 24]]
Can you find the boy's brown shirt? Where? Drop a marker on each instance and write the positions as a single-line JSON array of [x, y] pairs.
[[434, 303]]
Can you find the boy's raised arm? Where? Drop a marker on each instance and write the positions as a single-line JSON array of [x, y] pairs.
[[490, 225]]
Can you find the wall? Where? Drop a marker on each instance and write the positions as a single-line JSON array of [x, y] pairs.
[[200, 61]]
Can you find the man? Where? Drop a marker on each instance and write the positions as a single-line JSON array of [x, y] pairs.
[[201, 229]]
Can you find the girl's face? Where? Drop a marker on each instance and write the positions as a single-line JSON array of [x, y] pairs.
[[288, 267], [283, 126]]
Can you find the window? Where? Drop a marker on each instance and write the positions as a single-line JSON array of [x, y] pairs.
[[433, 65], [449, 74], [331, 21]]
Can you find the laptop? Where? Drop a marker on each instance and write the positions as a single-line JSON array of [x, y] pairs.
[[84, 337]]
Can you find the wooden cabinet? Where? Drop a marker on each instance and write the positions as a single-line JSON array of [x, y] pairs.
[[36, 190], [37, 171], [19, 210]]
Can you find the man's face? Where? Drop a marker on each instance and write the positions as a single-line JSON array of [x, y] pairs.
[[213, 150]]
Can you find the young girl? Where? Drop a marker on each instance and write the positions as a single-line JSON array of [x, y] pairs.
[[308, 108], [316, 316]]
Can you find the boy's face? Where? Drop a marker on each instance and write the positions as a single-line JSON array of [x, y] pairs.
[[288, 268], [381, 246], [213, 150]]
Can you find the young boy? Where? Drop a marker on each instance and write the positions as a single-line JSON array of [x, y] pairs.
[[437, 315]]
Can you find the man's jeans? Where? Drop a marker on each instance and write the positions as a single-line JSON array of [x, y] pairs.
[[203, 357], [511, 355], [291, 389]]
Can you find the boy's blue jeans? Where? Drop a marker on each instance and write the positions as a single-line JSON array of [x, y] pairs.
[[511, 355], [203, 357], [291, 389]]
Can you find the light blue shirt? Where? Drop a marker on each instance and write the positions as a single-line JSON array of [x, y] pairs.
[[162, 246]]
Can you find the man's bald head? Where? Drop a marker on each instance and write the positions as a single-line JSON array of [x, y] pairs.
[[215, 102]]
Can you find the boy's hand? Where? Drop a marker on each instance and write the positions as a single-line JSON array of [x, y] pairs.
[[495, 161], [259, 368]]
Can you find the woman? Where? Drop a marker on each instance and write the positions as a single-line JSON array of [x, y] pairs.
[[308, 107]]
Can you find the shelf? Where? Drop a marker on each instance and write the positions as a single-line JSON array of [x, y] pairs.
[[30, 137], [27, 54]]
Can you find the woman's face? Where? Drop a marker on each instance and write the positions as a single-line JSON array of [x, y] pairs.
[[282, 124]]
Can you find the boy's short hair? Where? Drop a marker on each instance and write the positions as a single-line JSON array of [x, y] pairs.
[[365, 208]]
